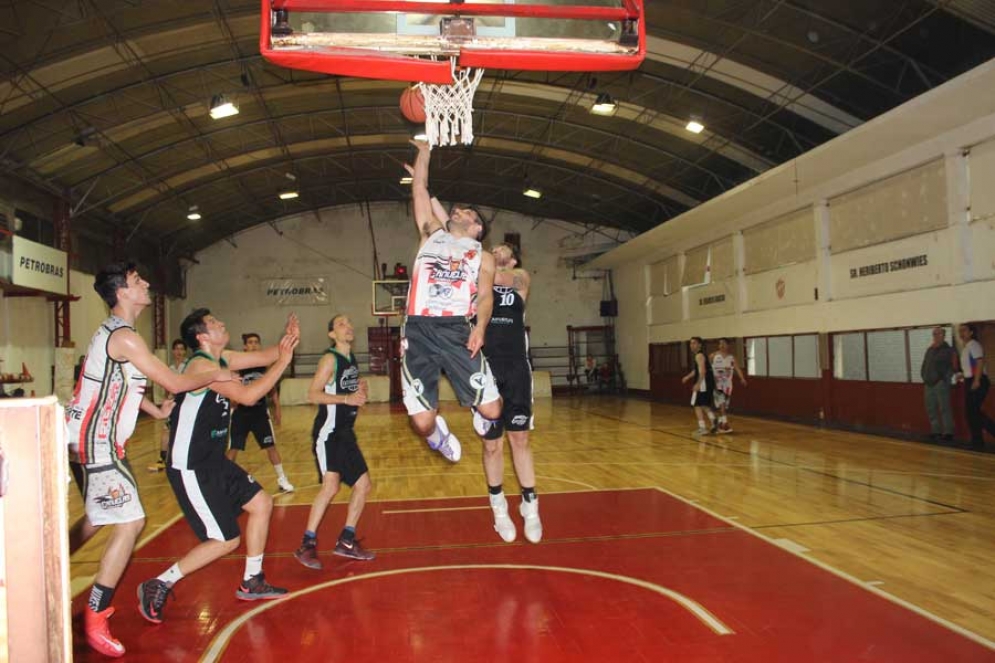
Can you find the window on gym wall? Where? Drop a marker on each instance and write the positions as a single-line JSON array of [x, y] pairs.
[[795, 356], [883, 355]]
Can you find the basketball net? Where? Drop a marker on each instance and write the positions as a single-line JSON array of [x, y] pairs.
[[449, 108]]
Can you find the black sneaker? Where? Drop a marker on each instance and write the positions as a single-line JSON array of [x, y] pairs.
[[353, 550], [256, 588], [152, 595]]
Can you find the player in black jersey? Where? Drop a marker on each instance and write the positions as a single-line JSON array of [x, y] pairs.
[[255, 418], [211, 489], [703, 387], [339, 393], [507, 346]]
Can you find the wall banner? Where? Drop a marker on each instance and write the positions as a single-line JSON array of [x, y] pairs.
[[306, 291], [913, 263], [39, 266]]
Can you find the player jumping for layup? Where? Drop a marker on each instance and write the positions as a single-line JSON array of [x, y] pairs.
[[507, 347], [452, 275]]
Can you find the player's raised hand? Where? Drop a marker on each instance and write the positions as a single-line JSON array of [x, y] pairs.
[[293, 325], [287, 345]]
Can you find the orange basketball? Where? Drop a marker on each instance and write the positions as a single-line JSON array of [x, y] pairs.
[[413, 105]]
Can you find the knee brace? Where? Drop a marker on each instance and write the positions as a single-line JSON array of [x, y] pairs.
[[489, 429]]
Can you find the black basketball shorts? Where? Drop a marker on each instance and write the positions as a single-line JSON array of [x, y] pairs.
[[513, 376], [212, 498], [339, 452], [255, 420]]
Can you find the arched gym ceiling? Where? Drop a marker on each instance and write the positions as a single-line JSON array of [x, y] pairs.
[[106, 102]]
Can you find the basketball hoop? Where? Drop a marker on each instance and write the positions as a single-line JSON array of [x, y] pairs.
[[449, 108]]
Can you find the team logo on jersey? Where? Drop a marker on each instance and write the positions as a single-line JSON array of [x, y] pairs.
[[115, 497], [450, 270], [350, 379], [444, 291], [478, 381], [519, 420]]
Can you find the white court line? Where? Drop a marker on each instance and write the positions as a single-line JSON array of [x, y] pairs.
[[220, 642], [442, 508], [970, 635], [789, 545]]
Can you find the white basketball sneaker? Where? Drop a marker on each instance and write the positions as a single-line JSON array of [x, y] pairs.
[[533, 526], [285, 485], [503, 524], [449, 447]]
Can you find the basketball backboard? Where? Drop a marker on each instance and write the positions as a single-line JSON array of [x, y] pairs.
[[389, 297], [413, 40]]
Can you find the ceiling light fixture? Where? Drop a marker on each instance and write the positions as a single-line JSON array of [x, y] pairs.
[[407, 180], [193, 216], [695, 126], [421, 136], [288, 195], [604, 105], [532, 193], [221, 107]]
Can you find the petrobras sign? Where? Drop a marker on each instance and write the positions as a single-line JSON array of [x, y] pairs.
[[307, 291], [38, 266]]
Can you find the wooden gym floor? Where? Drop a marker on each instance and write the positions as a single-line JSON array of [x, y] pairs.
[[637, 513]]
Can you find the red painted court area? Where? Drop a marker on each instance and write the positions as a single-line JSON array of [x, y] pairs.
[[632, 575]]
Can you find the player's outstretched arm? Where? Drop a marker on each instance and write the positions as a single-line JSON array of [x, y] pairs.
[[238, 361], [247, 394], [425, 219], [158, 411], [126, 345]]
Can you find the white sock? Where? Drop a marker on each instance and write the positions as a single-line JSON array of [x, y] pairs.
[[722, 419], [253, 566], [701, 423], [436, 437], [172, 575], [279, 472]]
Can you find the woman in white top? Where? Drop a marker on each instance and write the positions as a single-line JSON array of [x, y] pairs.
[[975, 377]]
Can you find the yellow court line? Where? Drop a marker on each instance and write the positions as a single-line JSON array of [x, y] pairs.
[[970, 635], [444, 508], [220, 642]]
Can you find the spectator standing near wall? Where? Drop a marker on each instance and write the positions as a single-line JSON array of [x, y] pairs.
[[938, 367], [975, 378]]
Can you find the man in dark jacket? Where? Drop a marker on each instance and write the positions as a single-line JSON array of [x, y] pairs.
[[938, 367]]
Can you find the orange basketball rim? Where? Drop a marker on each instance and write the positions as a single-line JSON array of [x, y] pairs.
[[420, 41]]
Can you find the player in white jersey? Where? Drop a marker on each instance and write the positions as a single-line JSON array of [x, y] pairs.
[[453, 278], [724, 365], [100, 419]]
